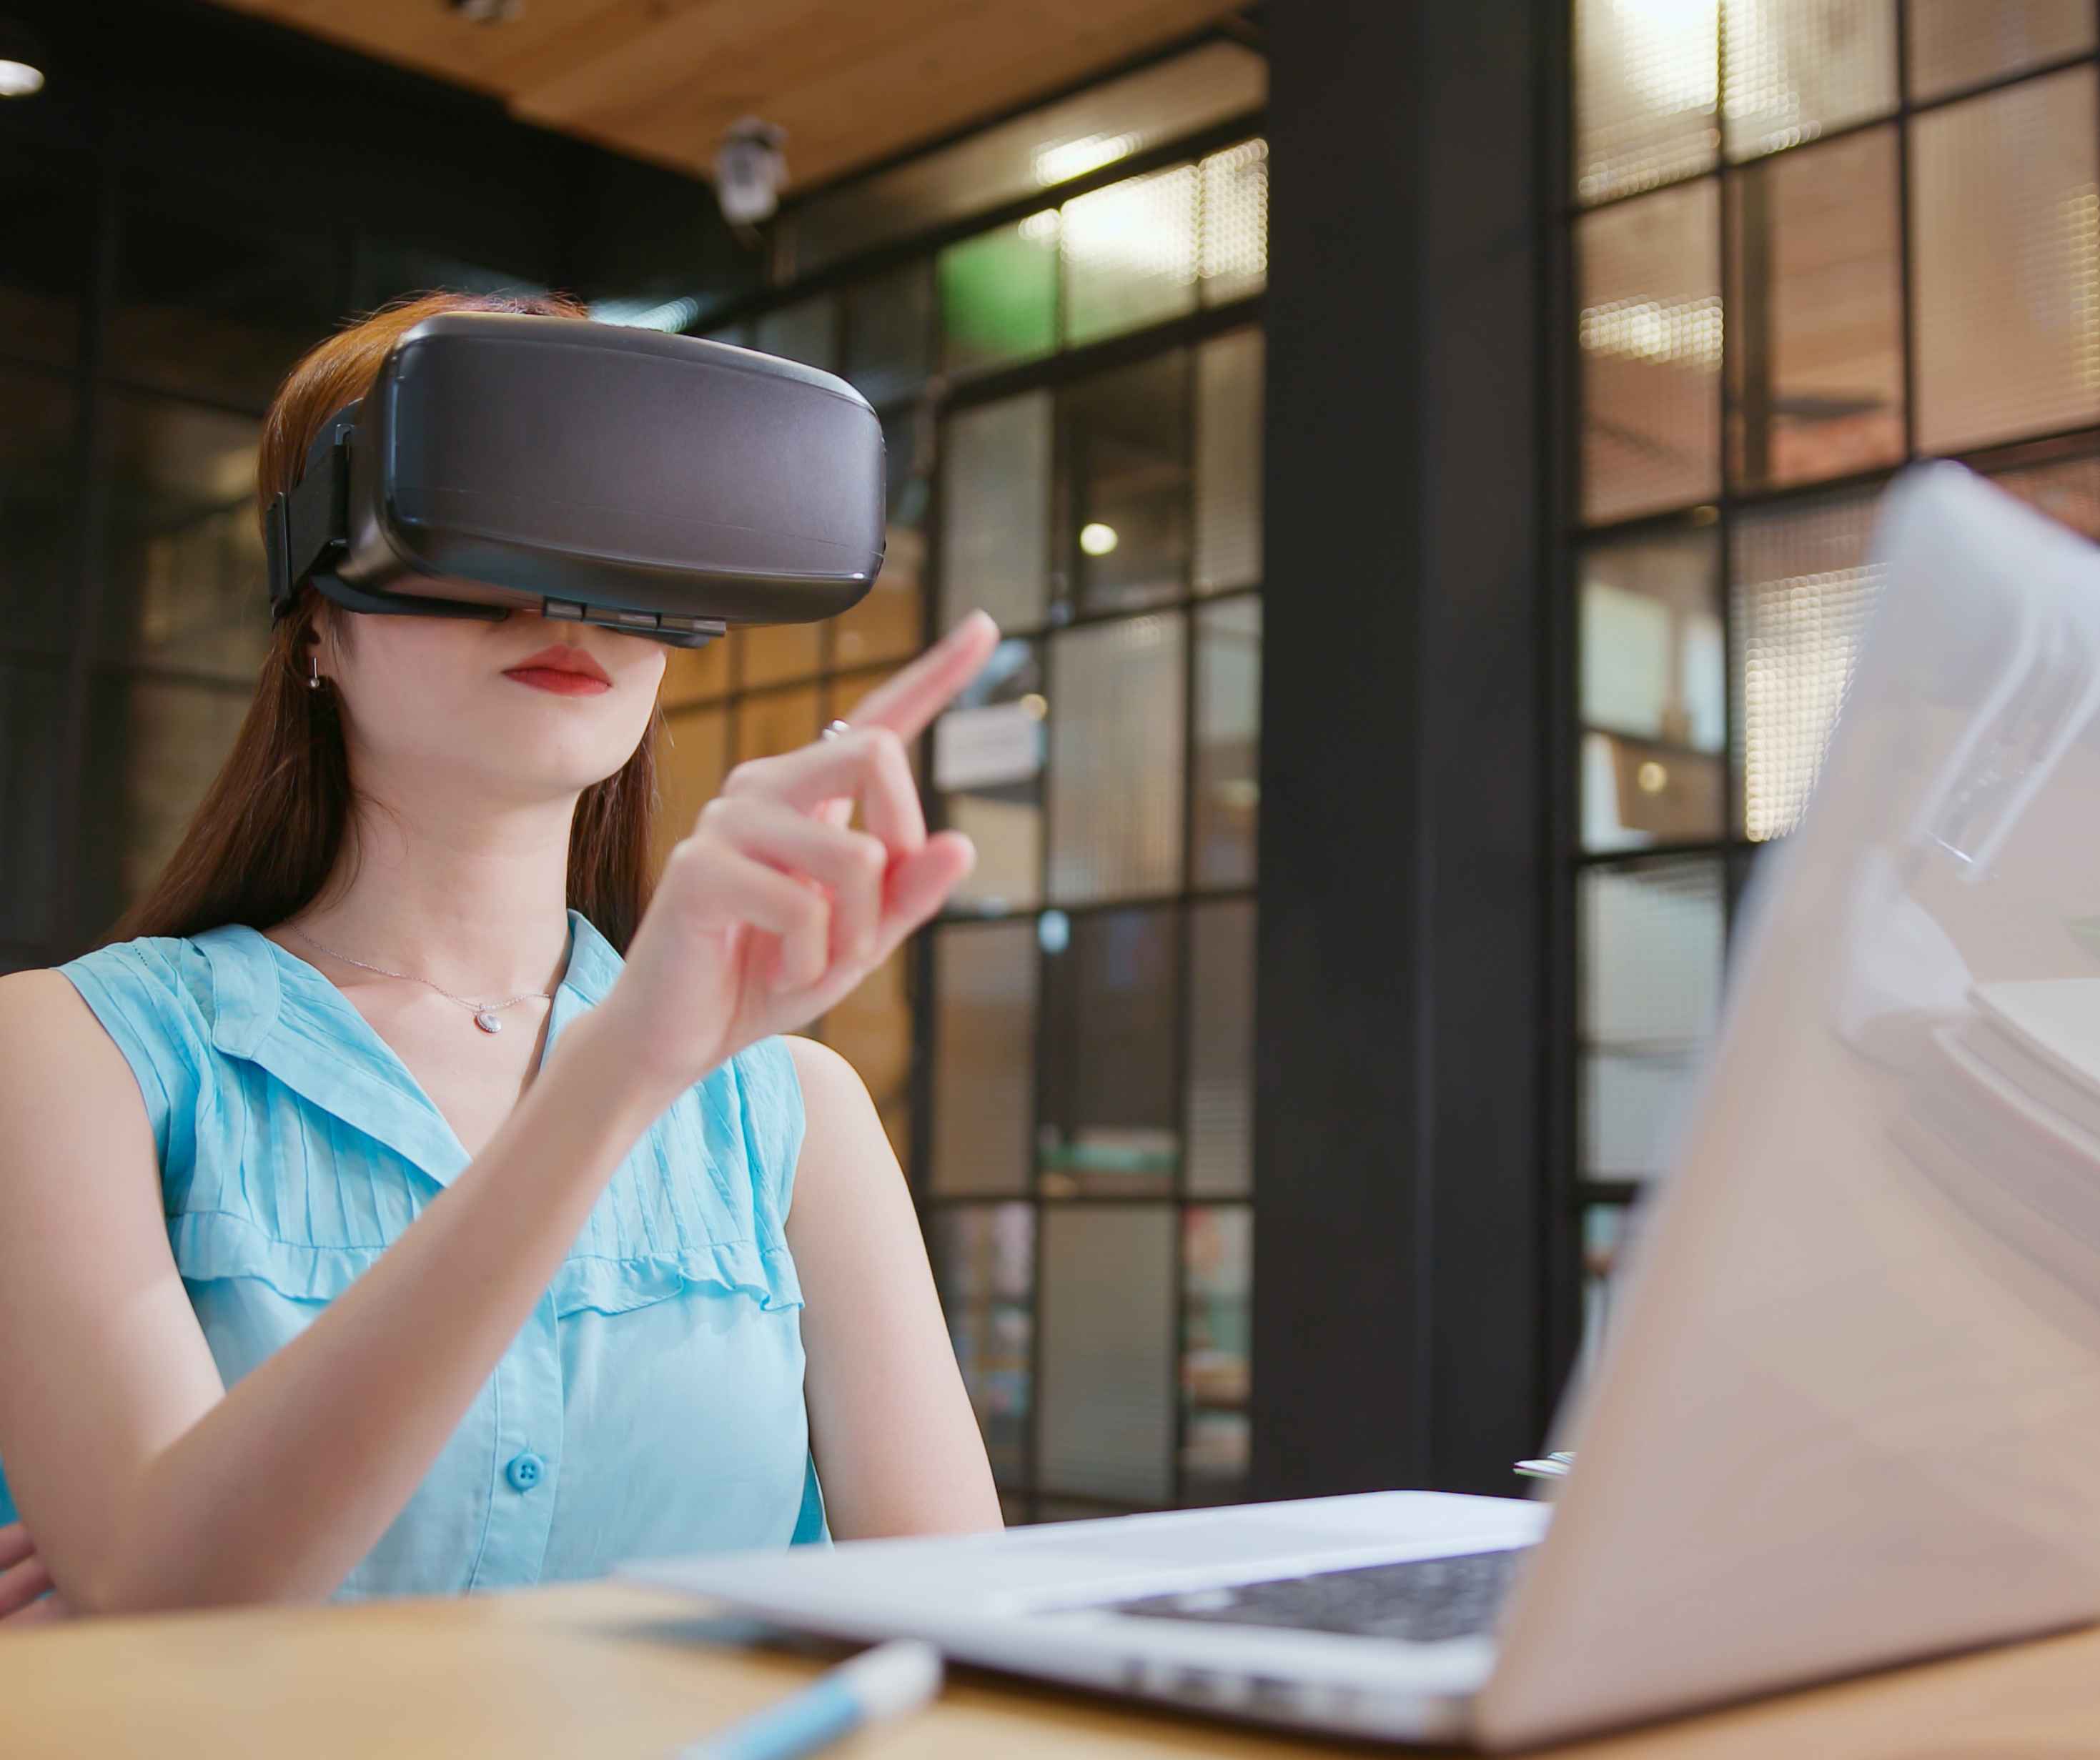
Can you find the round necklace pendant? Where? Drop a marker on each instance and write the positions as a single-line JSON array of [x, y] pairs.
[[486, 1021]]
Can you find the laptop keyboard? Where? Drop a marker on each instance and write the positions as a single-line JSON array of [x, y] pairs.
[[1420, 1601]]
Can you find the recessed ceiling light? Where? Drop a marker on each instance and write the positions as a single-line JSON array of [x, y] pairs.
[[487, 11], [22, 60]]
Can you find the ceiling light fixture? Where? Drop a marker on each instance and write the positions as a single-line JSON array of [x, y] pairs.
[[487, 11], [22, 60], [750, 171]]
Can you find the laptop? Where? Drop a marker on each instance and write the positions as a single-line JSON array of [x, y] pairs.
[[1849, 1413]]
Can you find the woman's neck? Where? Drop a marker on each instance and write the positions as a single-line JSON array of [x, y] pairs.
[[474, 900]]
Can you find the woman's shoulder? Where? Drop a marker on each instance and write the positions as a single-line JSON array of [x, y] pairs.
[[53, 1041], [169, 961], [33, 1002], [156, 978], [169, 982]]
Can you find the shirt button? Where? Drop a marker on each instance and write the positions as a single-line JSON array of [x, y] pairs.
[[525, 1472]]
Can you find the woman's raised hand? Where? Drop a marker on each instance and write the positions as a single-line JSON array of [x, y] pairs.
[[775, 907]]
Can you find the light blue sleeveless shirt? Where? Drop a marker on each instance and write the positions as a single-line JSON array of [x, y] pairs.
[[653, 1402]]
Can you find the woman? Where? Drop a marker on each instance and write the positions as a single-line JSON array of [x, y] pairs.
[[367, 1226]]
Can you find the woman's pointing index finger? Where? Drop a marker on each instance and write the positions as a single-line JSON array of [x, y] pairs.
[[907, 703]]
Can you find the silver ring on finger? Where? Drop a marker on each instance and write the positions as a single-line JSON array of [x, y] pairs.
[[833, 729]]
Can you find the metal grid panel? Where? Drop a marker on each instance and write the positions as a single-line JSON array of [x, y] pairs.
[[1220, 1100], [1653, 690], [1815, 322], [1989, 332], [1226, 811], [1229, 404], [2067, 490], [1126, 440], [1958, 43], [1234, 259], [1110, 1110], [1217, 1290], [889, 333], [998, 296], [996, 512], [1800, 586], [1650, 277], [1105, 1425], [1165, 102], [2005, 268], [1646, 86], [1089, 497], [984, 1258], [1798, 69], [1652, 934], [1115, 758], [1130, 254], [984, 1091]]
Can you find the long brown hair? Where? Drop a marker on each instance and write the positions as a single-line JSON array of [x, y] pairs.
[[270, 829]]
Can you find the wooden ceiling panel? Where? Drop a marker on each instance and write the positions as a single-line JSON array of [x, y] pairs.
[[852, 81], [879, 106], [687, 78]]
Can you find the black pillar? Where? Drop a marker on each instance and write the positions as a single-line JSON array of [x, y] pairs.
[[1407, 974]]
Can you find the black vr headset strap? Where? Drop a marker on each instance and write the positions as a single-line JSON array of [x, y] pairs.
[[308, 529]]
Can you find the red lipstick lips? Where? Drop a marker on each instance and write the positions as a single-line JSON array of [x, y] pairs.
[[562, 671]]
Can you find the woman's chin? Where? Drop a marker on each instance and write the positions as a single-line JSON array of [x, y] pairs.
[[516, 772]]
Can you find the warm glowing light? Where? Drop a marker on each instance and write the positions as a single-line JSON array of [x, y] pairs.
[[1061, 160], [1098, 539], [18, 79], [1034, 705], [1653, 777]]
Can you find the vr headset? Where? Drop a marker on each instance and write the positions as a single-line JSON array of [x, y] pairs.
[[658, 485]]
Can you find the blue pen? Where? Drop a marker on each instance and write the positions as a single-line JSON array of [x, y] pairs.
[[891, 1680]]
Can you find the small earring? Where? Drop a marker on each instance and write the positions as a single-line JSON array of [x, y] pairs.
[[314, 681]]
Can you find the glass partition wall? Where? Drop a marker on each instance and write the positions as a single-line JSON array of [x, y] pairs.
[[129, 418], [148, 311], [1813, 240], [1072, 395]]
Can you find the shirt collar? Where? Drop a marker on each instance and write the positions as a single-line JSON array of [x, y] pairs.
[[272, 1009]]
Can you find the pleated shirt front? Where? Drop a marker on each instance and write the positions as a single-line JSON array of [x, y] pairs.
[[653, 1402]]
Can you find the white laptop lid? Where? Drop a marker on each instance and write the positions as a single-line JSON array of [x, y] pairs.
[[1852, 1414]]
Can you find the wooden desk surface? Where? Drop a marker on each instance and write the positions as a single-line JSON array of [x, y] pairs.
[[605, 1673]]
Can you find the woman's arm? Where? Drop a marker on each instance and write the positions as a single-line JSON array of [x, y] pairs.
[[150, 1484], [897, 1447], [146, 1482]]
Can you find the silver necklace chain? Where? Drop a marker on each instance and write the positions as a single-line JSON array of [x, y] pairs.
[[484, 1014]]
